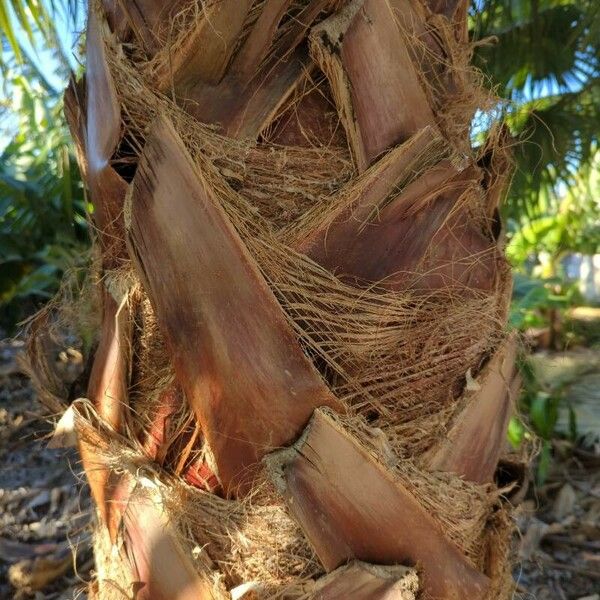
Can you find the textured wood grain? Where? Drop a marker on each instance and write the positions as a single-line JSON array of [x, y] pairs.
[[117, 19], [99, 135], [163, 570], [350, 506], [149, 20], [234, 353], [107, 389], [261, 76], [107, 386], [358, 202], [419, 237], [456, 12], [203, 57], [244, 108], [260, 39], [160, 568]]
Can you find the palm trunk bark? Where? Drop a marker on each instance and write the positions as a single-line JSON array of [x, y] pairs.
[[303, 381]]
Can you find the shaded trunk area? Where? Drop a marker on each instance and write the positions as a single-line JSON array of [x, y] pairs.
[[302, 379]]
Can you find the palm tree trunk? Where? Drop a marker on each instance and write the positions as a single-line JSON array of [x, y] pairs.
[[302, 381]]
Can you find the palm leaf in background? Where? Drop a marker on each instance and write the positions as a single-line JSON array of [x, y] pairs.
[[22, 15], [572, 227], [546, 63], [43, 229], [20, 18], [42, 209]]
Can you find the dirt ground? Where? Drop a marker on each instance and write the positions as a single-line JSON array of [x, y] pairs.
[[559, 546], [559, 521], [45, 510]]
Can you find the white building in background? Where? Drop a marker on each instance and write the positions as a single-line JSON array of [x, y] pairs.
[[585, 269]]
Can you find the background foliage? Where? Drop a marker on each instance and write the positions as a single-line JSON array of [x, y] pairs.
[[43, 230], [544, 60]]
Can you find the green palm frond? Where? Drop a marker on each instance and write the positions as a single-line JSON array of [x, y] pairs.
[[43, 226], [572, 226], [25, 15], [558, 134], [543, 58], [23, 19], [548, 49]]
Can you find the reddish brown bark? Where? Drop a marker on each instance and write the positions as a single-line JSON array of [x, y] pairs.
[[244, 108], [235, 355], [103, 133], [421, 214], [108, 383], [117, 20], [205, 54], [240, 93], [161, 566], [155, 441], [351, 507], [419, 237], [148, 19], [308, 119], [107, 389], [373, 79], [360, 201], [477, 436]]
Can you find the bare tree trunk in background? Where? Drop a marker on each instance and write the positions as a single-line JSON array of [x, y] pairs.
[[302, 380]]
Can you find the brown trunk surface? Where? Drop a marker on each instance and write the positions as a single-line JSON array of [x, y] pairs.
[[364, 56], [250, 385], [351, 507], [291, 216], [475, 439], [362, 581]]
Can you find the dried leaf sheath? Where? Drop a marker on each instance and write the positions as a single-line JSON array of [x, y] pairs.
[[103, 133], [107, 389], [350, 507], [108, 383], [205, 54], [161, 566], [362, 581], [477, 435], [306, 216], [374, 82], [236, 357]]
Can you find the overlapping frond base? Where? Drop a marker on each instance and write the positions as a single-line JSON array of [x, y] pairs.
[[300, 250]]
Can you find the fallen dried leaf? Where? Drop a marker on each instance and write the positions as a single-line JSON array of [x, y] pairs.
[[536, 531], [36, 574], [531, 540], [565, 502]]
